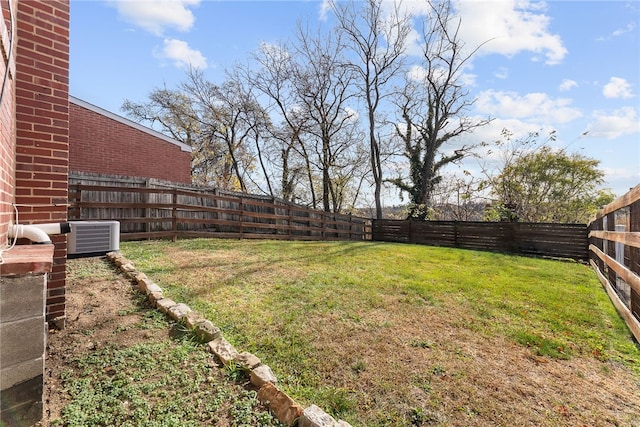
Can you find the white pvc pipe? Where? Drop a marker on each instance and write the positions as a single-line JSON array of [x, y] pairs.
[[38, 233]]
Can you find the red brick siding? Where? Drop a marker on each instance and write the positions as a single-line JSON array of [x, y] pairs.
[[7, 126], [100, 144], [42, 121]]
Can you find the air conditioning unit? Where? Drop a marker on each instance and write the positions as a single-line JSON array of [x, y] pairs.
[[93, 237]]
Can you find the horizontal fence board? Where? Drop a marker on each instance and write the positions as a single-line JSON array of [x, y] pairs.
[[627, 199], [629, 317], [150, 212], [554, 240], [614, 246], [627, 239], [629, 277]]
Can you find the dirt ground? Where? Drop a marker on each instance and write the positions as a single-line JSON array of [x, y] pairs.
[[503, 379], [96, 308]]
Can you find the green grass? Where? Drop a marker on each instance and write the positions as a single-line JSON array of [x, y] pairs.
[[297, 304], [159, 384], [162, 378]]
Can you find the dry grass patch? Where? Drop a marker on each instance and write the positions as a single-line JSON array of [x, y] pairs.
[[384, 334]]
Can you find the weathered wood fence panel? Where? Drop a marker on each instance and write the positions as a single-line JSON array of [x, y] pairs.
[[614, 237], [150, 212], [553, 240]]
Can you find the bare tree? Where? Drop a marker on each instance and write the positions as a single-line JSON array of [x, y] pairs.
[[274, 78], [260, 127], [433, 107], [230, 114], [378, 42], [174, 113], [323, 88]]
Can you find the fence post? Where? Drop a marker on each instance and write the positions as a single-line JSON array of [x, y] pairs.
[[410, 233], [634, 254], [78, 202], [241, 215], [146, 227], [611, 250], [335, 225], [455, 233], [174, 214]]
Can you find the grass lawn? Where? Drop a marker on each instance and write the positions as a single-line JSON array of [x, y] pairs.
[[386, 334], [120, 362]]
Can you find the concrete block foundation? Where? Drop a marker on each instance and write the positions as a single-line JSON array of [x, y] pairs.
[[23, 329]]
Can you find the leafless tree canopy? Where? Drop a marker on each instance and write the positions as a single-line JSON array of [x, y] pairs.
[[311, 120]]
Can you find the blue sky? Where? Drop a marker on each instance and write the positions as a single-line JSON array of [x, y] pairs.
[[570, 66]]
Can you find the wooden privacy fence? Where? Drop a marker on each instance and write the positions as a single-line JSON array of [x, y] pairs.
[[614, 237], [145, 212], [553, 240]]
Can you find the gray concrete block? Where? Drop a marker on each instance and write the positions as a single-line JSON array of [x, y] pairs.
[[21, 372], [21, 340], [22, 297]]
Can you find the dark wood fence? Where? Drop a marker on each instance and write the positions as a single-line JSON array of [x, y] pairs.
[[552, 240], [145, 212], [614, 237]]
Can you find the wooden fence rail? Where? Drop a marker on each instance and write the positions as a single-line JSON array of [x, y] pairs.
[[553, 240], [614, 237], [174, 212]]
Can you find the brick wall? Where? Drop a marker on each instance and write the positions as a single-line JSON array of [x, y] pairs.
[[104, 143], [42, 122], [7, 124]]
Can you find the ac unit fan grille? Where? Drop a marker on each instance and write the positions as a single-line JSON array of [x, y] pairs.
[[94, 237]]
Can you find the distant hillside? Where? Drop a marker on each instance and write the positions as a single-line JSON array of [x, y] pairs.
[[446, 212]]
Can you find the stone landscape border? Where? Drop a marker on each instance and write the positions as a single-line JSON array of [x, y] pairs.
[[262, 377]]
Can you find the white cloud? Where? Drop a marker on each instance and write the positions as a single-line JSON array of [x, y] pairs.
[[623, 121], [567, 84], [509, 27], [418, 73], [490, 155], [354, 115], [619, 32], [325, 8], [617, 88], [492, 131], [620, 174], [157, 15], [535, 106], [181, 54], [275, 51]]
